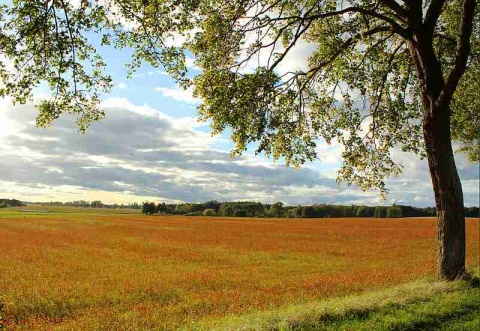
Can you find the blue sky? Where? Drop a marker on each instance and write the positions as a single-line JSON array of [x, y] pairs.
[[150, 147]]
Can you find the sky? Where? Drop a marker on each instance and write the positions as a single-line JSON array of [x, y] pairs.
[[150, 146]]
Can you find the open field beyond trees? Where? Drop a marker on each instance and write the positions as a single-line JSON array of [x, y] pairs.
[[83, 270]]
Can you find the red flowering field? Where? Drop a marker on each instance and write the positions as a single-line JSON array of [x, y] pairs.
[[86, 271]]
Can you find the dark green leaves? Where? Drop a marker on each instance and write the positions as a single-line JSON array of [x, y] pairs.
[[45, 45]]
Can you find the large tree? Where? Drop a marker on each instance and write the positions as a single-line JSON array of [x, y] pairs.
[[381, 75]]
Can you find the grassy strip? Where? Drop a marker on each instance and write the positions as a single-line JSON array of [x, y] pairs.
[[443, 311], [422, 305]]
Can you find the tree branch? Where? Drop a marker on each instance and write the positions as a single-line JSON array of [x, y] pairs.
[[353, 9], [385, 78], [414, 14], [396, 7], [432, 15], [461, 57], [73, 45], [310, 74], [296, 37], [368, 12]]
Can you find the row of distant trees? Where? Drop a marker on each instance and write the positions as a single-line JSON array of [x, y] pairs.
[[92, 204], [10, 203], [279, 210]]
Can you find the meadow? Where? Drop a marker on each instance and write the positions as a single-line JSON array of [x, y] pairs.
[[73, 269]]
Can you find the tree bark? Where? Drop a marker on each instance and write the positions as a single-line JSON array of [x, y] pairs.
[[438, 143], [448, 194]]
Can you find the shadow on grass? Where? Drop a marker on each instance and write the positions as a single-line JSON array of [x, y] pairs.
[[450, 311]]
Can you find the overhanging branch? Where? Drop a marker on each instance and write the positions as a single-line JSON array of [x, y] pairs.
[[396, 7], [432, 15], [461, 56], [367, 12]]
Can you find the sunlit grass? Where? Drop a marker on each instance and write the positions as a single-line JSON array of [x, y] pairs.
[[419, 305], [113, 271]]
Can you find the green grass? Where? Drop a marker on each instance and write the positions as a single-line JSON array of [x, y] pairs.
[[441, 312], [32, 211], [421, 305]]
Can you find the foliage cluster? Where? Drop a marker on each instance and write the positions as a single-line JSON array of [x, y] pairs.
[[10, 203], [148, 208]]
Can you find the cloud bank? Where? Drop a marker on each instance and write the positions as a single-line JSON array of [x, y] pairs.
[[138, 153]]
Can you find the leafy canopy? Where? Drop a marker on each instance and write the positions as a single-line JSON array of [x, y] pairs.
[[358, 86]]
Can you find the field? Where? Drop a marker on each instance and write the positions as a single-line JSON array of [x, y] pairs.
[[77, 269]]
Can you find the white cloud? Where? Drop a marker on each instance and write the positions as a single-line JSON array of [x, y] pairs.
[[190, 63], [122, 85], [7, 125], [75, 3], [46, 193], [137, 149], [178, 94]]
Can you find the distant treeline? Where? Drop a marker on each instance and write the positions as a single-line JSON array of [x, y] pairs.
[[257, 209], [10, 203], [91, 204]]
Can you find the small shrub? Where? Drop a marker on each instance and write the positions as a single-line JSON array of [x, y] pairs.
[[209, 212], [148, 208], [361, 211], [380, 212], [298, 212], [240, 213], [394, 212], [227, 211], [308, 212]]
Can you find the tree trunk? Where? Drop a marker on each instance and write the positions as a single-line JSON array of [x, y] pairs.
[[448, 194]]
